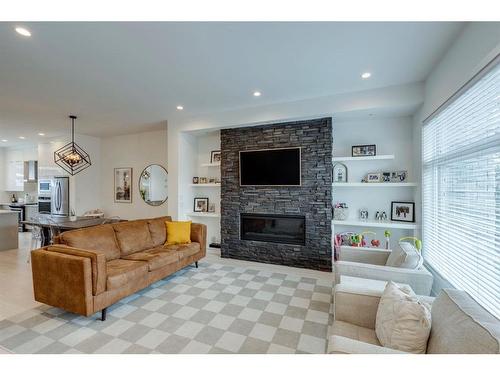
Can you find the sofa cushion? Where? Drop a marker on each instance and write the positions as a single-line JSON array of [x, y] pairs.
[[101, 237], [405, 256], [185, 250], [352, 331], [178, 232], [344, 345], [156, 258], [461, 325], [158, 230], [133, 236], [403, 322], [122, 272]]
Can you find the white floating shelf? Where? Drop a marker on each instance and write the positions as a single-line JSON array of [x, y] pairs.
[[374, 184], [205, 185], [210, 165], [363, 158], [376, 224], [203, 214]]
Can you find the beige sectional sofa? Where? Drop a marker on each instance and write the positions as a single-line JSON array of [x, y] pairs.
[[459, 324]]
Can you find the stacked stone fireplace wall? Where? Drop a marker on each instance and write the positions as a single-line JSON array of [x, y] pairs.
[[313, 198]]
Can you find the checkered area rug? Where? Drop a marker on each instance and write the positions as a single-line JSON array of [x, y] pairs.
[[212, 309]]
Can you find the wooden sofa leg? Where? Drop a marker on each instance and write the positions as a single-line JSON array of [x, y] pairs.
[[196, 264], [103, 314]]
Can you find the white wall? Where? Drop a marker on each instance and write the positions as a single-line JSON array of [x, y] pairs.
[[392, 135], [478, 44], [195, 150], [136, 151]]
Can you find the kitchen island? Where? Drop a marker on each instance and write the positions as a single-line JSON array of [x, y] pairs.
[[8, 230]]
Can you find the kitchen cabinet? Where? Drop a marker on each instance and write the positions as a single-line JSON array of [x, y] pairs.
[[14, 180], [14, 167]]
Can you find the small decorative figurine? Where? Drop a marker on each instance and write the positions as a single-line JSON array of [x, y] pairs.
[[363, 214]]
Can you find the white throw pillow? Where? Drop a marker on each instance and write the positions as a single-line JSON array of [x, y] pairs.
[[413, 257], [405, 256], [402, 322]]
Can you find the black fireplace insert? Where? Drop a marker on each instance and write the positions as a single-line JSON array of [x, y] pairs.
[[286, 229]]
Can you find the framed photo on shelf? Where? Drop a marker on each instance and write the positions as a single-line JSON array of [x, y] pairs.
[[403, 211], [123, 185], [399, 176], [215, 156], [339, 172], [373, 177], [364, 150], [200, 205]]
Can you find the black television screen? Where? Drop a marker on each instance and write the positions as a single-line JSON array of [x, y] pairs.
[[274, 167]]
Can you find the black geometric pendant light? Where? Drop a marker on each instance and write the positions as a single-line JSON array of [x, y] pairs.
[[71, 157]]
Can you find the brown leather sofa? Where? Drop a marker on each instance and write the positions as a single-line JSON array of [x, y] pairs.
[[87, 270]]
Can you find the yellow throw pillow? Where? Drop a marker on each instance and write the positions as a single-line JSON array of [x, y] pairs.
[[178, 232]]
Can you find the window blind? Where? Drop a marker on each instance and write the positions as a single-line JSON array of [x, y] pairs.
[[461, 191]]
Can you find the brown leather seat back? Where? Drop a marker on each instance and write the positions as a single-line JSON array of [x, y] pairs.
[[158, 230], [133, 236], [101, 237]]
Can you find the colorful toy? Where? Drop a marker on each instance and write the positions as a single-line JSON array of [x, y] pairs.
[[363, 237], [356, 240], [387, 235]]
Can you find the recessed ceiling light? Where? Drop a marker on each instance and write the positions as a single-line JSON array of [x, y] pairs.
[[23, 31], [257, 93], [41, 134], [21, 137], [4, 140], [180, 107], [366, 75]]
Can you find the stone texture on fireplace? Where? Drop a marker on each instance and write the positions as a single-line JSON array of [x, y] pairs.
[[313, 199]]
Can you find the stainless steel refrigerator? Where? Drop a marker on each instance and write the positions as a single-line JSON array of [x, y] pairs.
[[60, 196]]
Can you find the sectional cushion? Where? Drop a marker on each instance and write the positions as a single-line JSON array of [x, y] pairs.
[[355, 332], [123, 272], [100, 238], [156, 258], [461, 326], [133, 236], [185, 250], [158, 230]]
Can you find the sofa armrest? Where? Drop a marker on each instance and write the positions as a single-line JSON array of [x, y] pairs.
[[97, 262], [356, 305], [62, 280], [199, 234], [345, 345], [364, 255], [420, 280]]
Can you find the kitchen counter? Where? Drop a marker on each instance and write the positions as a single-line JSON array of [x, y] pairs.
[[8, 230]]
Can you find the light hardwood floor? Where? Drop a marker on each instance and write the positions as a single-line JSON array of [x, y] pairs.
[[16, 290]]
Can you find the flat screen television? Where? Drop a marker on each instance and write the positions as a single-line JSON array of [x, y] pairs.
[[271, 167]]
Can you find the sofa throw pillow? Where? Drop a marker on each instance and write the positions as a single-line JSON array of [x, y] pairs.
[[402, 322], [178, 232], [413, 259], [405, 256]]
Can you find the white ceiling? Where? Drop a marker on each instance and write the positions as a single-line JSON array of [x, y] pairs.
[[127, 77]]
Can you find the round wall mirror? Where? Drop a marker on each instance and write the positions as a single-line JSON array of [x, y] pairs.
[[153, 185]]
